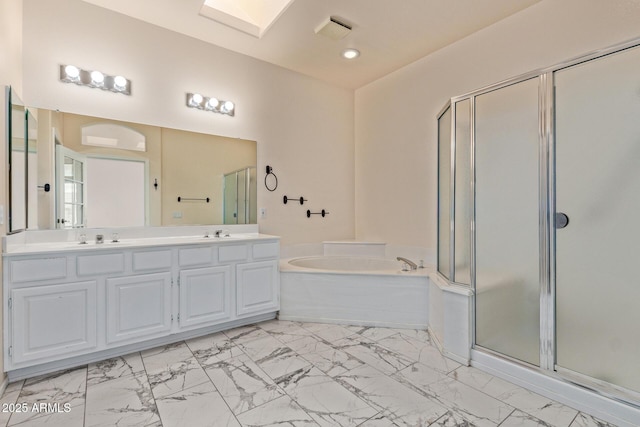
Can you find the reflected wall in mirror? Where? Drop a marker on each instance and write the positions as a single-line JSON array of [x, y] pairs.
[[111, 186], [17, 138]]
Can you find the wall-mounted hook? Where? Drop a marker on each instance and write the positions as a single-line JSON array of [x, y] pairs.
[[285, 199], [155, 184], [46, 187], [322, 212]]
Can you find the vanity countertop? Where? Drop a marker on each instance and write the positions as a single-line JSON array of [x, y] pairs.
[[124, 243]]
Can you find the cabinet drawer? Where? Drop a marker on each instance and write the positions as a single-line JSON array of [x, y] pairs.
[[151, 260], [265, 250], [232, 253], [28, 270], [195, 256], [91, 265]]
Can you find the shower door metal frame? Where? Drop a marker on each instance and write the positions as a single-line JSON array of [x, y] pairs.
[[547, 206]]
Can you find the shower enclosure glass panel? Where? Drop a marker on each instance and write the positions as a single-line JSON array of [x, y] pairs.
[[231, 198], [462, 223], [598, 187], [507, 235], [444, 188], [240, 197]]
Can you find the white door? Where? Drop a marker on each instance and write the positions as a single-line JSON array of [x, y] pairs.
[[138, 307], [205, 296], [49, 321], [71, 173]]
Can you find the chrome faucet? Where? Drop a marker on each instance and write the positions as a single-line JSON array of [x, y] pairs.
[[411, 264]]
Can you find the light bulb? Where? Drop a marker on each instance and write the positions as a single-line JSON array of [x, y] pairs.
[[228, 106], [196, 100], [72, 72], [119, 83], [212, 103], [97, 78]]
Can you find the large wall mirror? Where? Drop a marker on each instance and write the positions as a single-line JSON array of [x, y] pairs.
[[93, 172]]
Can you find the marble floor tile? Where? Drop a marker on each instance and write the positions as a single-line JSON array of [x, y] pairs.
[[279, 412], [328, 332], [328, 402], [479, 408], [199, 406], [9, 397], [333, 362], [245, 334], [520, 419], [419, 351], [540, 407], [309, 344], [378, 421], [273, 357], [116, 367], [72, 418], [373, 333], [63, 387], [213, 348], [398, 403], [281, 373], [284, 331], [584, 420], [173, 370], [242, 384], [121, 402], [419, 376], [487, 383], [373, 354]]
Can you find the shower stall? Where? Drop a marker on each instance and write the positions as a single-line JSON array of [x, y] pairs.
[[538, 207], [240, 197]]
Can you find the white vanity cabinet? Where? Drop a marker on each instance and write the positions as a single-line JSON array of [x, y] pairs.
[[74, 306], [53, 320]]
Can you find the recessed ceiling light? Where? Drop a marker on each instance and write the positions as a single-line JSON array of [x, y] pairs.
[[350, 53]]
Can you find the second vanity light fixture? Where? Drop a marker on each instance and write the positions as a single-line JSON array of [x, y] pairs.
[[94, 79], [195, 100]]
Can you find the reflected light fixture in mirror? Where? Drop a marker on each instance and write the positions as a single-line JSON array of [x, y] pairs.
[[94, 79], [195, 100]]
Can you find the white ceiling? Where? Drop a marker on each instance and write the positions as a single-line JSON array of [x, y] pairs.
[[389, 33]]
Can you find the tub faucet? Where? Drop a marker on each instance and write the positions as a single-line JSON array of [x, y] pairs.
[[411, 264]]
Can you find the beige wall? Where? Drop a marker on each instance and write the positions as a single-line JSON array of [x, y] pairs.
[[304, 127], [193, 166], [396, 154], [10, 74]]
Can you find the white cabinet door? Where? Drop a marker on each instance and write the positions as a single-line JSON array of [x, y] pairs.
[[55, 320], [205, 296], [258, 288], [138, 307]]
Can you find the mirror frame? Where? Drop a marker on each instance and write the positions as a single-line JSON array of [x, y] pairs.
[[11, 100]]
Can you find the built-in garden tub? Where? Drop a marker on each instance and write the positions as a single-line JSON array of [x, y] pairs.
[[354, 290]]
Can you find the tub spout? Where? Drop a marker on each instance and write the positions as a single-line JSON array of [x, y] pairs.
[[412, 264]]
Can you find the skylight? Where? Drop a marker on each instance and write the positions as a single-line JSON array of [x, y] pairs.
[[253, 17]]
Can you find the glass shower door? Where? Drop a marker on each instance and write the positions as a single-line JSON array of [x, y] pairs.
[[597, 153], [506, 223]]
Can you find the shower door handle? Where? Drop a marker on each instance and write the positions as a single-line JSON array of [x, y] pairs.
[[562, 220]]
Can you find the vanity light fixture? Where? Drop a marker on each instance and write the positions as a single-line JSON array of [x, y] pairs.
[[94, 79], [195, 100]]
